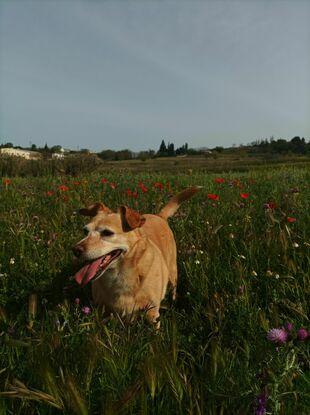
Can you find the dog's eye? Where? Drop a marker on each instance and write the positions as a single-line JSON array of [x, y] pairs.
[[106, 232], [85, 230]]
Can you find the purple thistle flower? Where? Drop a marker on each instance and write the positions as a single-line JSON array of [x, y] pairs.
[[302, 334], [288, 327], [277, 336], [261, 407], [86, 310]]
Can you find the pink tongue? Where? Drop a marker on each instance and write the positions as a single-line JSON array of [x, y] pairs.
[[85, 274]]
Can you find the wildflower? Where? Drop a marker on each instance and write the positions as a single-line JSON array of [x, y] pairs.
[[12, 261], [244, 195], [6, 182], [302, 334], [288, 327], [158, 186], [135, 194], [113, 185], [277, 336], [129, 192], [254, 273], [77, 301], [261, 407], [213, 196], [104, 180], [269, 273], [270, 205], [295, 245], [277, 276], [241, 289], [219, 180], [294, 190], [197, 262], [49, 193], [63, 188], [290, 219], [86, 310], [142, 187], [11, 330]]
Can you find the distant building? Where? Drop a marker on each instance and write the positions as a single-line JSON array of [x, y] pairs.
[[25, 154], [58, 156]]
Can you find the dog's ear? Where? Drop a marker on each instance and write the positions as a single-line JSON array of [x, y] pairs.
[[94, 209], [131, 219]]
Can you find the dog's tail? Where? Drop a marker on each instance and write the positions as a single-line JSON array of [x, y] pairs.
[[173, 205]]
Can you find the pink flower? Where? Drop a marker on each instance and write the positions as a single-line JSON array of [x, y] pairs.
[[277, 336], [288, 327], [86, 310], [302, 334], [77, 301]]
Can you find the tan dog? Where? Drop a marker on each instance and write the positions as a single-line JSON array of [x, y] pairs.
[[131, 258]]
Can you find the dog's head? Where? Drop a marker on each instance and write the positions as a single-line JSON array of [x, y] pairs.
[[108, 238]]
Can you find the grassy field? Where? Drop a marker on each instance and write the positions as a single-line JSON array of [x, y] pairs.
[[243, 257]]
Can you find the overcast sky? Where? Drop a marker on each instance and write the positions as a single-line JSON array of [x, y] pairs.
[[125, 74]]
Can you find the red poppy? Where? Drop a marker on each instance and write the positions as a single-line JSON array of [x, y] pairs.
[[291, 220], [213, 196], [270, 205], [158, 185], [244, 195], [129, 192], [7, 181], [104, 180], [219, 180], [113, 185], [49, 193], [142, 187], [63, 188], [135, 195]]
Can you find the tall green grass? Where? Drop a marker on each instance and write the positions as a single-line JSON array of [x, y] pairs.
[[243, 269]]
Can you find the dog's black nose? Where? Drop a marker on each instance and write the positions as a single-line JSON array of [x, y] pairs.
[[78, 250]]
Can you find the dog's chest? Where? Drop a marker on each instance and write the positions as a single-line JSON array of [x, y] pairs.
[[114, 291]]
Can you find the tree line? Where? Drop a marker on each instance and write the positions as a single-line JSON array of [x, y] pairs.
[[296, 145]]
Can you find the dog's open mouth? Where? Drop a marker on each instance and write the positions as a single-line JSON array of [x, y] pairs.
[[96, 268]]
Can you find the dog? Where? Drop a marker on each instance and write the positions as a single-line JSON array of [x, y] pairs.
[[130, 258]]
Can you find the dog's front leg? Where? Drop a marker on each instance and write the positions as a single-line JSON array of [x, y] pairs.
[[152, 315]]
